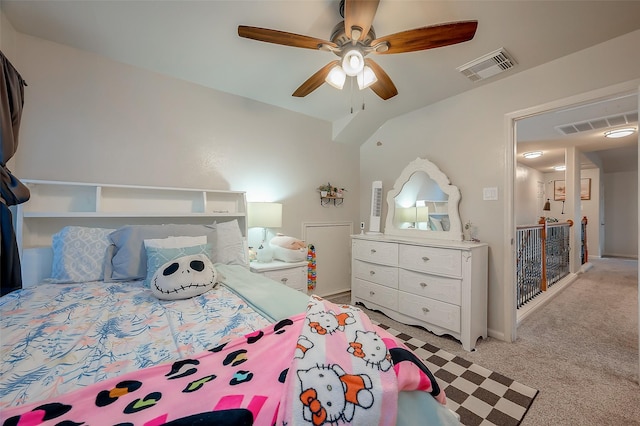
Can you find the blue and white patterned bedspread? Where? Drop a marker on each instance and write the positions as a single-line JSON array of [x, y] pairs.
[[55, 337]]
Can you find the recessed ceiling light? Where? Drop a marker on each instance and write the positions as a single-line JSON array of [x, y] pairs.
[[620, 133], [560, 168], [532, 154]]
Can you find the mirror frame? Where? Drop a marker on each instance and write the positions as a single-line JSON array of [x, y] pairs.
[[423, 165]]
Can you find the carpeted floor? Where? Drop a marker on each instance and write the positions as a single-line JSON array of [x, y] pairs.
[[479, 396], [580, 350]]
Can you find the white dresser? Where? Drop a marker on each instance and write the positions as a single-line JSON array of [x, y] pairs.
[[439, 285]]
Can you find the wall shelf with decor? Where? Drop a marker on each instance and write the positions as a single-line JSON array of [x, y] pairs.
[[330, 194], [325, 201]]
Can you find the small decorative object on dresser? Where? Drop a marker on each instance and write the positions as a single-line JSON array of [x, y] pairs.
[[291, 274]]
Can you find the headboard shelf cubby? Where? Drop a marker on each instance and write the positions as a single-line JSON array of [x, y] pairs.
[[55, 204]]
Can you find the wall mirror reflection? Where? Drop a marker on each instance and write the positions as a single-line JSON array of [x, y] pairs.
[[424, 204]]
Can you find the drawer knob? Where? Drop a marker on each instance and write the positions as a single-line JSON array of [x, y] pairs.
[[371, 293], [373, 251], [423, 285], [425, 259], [425, 310], [372, 272], [284, 280]]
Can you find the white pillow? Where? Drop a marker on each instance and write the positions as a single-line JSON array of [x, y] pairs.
[[158, 256], [78, 254], [231, 248], [175, 242], [184, 277]]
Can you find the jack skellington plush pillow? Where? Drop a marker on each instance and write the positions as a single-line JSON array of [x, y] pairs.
[[184, 277]]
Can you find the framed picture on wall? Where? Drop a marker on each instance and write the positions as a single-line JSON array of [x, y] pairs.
[[559, 189]]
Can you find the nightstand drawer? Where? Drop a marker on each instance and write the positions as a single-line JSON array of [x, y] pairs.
[[294, 278], [375, 252], [292, 274], [379, 274]]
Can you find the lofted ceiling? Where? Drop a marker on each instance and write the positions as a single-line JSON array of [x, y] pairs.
[[197, 41]]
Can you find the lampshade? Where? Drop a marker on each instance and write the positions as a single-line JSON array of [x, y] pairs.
[[422, 214], [264, 215], [352, 62], [406, 214], [366, 78], [336, 77], [547, 206]]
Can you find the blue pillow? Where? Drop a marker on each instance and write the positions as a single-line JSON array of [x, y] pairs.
[[125, 259], [78, 254], [156, 257]]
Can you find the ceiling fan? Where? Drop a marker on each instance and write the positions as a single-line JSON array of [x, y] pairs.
[[354, 38]]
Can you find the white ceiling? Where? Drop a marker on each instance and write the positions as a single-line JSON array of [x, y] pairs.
[[197, 41]]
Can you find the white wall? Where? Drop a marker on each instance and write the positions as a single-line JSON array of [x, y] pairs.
[[621, 214], [529, 195], [589, 208], [466, 137], [88, 118]]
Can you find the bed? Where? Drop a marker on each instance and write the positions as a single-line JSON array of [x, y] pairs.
[[95, 342]]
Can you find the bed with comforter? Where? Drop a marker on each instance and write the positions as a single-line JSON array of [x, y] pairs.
[[102, 341]]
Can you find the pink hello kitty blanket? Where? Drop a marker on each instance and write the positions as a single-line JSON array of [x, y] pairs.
[[330, 366]]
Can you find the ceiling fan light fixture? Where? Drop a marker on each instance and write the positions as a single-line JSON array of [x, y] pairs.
[[532, 154], [336, 77], [366, 78], [620, 133], [352, 62]]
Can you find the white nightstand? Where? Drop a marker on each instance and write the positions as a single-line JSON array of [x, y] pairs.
[[291, 274]]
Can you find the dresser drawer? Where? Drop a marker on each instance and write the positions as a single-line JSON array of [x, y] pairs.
[[378, 294], [375, 252], [294, 278], [441, 314], [440, 288], [379, 274], [431, 259]]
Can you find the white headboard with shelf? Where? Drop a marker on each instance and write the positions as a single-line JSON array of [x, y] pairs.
[[54, 205]]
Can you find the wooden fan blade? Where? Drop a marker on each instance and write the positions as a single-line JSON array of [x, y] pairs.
[[282, 37], [428, 37], [314, 81], [359, 13], [384, 87]]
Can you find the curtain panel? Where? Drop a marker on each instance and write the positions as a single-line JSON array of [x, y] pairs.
[[12, 191]]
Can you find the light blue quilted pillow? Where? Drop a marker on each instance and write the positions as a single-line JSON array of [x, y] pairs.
[[78, 254], [157, 256]]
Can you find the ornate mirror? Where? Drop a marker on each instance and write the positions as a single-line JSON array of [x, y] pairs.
[[423, 204]]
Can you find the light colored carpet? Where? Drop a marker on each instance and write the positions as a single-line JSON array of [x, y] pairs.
[[580, 350]]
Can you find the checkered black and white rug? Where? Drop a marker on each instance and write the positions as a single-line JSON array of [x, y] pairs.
[[480, 396]]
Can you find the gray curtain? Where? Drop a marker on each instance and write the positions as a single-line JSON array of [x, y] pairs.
[[12, 191]]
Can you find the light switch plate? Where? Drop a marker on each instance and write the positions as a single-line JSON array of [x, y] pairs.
[[490, 194]]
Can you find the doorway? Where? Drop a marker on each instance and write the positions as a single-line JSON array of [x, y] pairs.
[[511, 121], [513, 124]]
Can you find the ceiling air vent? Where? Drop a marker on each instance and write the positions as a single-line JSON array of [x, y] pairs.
[[488, 65], [598, 123]]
